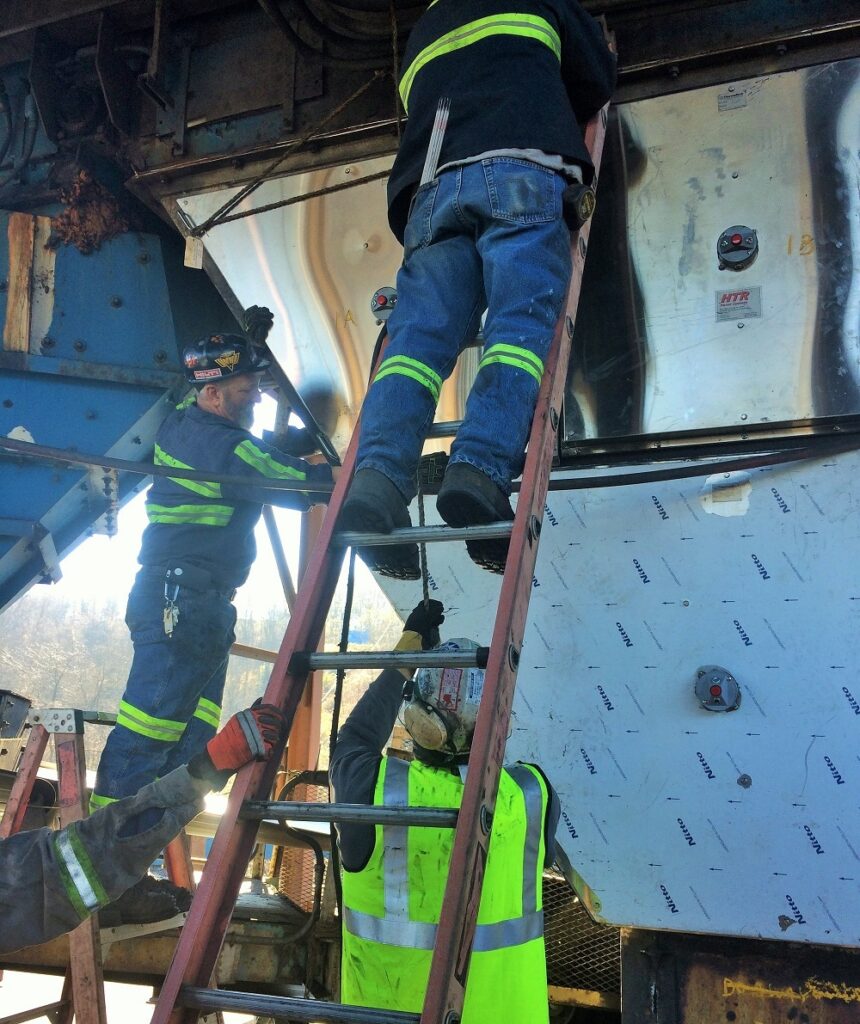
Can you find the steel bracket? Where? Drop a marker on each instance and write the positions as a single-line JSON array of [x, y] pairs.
[[57, 720]]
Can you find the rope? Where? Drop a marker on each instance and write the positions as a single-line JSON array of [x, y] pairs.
[[252, 186], [302, 198], [422, 547]]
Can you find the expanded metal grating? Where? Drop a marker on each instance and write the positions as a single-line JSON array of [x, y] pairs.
[[580, 954]]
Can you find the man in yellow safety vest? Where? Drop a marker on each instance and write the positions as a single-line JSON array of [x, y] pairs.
[[394, 876]]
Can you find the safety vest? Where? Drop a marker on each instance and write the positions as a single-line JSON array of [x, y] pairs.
[[392, 906]]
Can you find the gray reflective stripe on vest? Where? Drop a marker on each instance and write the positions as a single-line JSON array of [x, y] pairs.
[[504, 934], [391, 931], [394, 931], [525, 779], [395, 928], [86, 892], [395, 868]]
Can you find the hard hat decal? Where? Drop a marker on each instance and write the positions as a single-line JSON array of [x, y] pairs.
[[228, 361], [474, 685], [449, 688], [206, 374]]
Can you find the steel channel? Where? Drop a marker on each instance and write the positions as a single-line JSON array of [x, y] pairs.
[[431, 817], [392, 659], [283, 1007], [423, 535]]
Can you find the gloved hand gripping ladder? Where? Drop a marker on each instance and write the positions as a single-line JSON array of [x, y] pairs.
[[185, 992]]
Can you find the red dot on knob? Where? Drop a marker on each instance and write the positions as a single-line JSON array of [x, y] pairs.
[[716, 691], [737, 239]]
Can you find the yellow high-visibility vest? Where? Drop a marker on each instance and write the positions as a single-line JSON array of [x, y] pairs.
[[392, 906]]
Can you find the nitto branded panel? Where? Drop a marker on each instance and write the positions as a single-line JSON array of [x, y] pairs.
[[740, 822]]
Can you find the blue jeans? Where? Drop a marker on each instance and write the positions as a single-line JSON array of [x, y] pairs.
[[488, 235], [172, 700]]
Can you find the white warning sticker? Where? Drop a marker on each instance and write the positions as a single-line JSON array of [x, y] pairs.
[[449, 688], [474, 685]]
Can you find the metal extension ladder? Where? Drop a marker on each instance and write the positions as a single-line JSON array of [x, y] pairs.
[[186, 990]]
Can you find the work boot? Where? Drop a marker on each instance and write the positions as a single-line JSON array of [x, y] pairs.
[[469, 497], [375, 505], [148, 900]]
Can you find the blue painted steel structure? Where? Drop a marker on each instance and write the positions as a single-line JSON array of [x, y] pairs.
[[90, 364]]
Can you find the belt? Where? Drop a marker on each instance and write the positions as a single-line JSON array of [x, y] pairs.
[[192, 577]]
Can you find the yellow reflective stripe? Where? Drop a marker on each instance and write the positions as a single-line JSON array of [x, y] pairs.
[[97, 801], [135, 720], [518, 353], [202, 515], [208, 711], [208, 490], [265, 464], [190, 399], [513, 24], [407, 367], [513, 355]]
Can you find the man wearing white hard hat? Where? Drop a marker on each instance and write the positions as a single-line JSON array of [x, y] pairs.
[[394, 876]]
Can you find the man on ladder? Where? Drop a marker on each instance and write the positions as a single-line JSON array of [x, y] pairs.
[[495, 94], [394, 876], [197, 549]]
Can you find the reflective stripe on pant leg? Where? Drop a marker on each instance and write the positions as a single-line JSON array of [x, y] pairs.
[[209, 712], [162, 729], [97, 801], [405, 366], [513, 355], [533, 797]]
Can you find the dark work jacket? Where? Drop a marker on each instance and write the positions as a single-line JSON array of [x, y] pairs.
[[507, 91], [356, 761], [210, 525]]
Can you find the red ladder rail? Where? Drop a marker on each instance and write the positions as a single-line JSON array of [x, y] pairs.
[[446, 984]]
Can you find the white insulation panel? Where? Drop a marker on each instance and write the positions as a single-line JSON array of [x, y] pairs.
[[739, 823]]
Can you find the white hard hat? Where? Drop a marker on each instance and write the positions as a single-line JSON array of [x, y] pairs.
[[443, 707]]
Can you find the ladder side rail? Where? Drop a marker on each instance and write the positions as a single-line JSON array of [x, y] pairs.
[[85, 954], [22, 787], [177, 862], [446, 984], [202, 936]]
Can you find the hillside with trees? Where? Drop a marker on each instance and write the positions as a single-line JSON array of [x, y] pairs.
[[66, 653]]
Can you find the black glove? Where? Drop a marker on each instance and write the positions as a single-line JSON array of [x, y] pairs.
[[426, 622], [257, 322], [297, 441]]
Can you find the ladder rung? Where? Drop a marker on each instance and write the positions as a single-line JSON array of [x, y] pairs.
[[432, 817], [444, 428], [423, 535], [302, 662], [286, 1008]]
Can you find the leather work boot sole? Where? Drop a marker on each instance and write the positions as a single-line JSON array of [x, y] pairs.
[[469, 497], [374, 505]]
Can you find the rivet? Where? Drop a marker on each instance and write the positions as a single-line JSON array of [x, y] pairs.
[[79, 345], [116, 301]]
